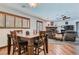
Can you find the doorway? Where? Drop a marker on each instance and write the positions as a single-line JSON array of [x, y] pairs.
[[77, 28], [39, 26]]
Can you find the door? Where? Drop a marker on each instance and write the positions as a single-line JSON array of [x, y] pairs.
[[39, 26], [77, 28]]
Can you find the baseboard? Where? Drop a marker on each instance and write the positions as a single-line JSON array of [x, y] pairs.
[[3, 47]]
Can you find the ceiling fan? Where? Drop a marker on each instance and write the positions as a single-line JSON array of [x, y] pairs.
[[63, 17]]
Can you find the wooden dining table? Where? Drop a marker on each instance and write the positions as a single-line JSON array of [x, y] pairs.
[[29, 39]]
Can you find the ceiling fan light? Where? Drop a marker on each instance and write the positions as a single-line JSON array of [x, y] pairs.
[[33, 5]]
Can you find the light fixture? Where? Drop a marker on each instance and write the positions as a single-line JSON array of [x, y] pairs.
[[34, 5]]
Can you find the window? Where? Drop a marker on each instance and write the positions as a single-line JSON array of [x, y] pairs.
[[26, 23], [18, 22], [39, 26], [2, 20], [8, 20]]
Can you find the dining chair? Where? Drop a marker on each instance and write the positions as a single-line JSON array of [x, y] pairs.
[[19, 45], [39, 43]]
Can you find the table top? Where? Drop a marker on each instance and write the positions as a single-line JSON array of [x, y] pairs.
[[27, 36]]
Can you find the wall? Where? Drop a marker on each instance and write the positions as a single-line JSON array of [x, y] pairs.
[[4, 32]]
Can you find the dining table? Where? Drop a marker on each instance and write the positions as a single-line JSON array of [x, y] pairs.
[[29, 39]]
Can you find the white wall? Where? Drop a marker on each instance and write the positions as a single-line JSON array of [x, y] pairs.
[[4, 32]]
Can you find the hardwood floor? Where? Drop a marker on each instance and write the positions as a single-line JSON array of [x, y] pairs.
[[54, 49]]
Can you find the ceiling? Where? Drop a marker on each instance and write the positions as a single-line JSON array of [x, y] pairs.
[[51, 11]]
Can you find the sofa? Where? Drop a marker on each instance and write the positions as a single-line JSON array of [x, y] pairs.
[[58, 36], [70, 35]]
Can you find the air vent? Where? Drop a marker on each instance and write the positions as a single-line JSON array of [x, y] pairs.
[[23, 6]]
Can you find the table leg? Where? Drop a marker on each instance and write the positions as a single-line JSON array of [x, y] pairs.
[[46, 44], [9, 45], [30, 47]]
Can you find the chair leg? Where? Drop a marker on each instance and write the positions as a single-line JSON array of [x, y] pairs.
[[44, 51], [44, 48], [13, 50], [37, 51], [25, 49], [19, 51]]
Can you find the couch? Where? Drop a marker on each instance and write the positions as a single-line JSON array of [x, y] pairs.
[[70, 35]]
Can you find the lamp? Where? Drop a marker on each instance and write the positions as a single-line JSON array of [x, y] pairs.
[[33, 4]]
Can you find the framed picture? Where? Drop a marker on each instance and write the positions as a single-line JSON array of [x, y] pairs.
[[2, 20], [9, 21], [18, 22]]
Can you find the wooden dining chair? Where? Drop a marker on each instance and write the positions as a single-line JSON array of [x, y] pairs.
[[18, 44], [39, 43]]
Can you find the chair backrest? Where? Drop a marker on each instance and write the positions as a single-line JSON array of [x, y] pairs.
[[42, 35], [19, 31], [14, 38]]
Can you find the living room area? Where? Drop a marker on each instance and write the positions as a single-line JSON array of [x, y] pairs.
[[63, 30], [64, 33]]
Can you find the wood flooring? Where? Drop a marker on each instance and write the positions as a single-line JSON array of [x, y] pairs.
[[54, 49]]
